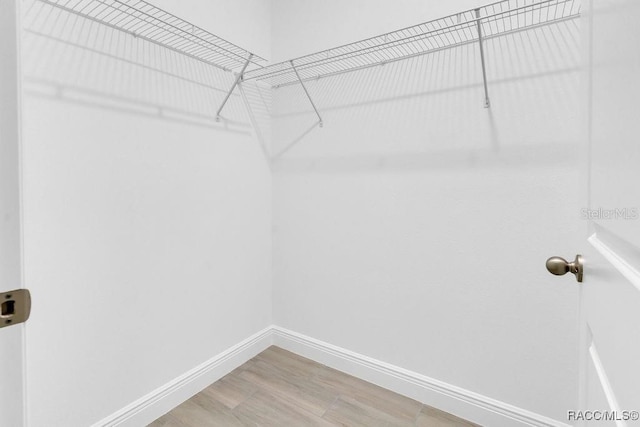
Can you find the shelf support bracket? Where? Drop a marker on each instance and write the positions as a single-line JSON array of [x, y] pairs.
[[307, 92], [484, 70], [239, 77]]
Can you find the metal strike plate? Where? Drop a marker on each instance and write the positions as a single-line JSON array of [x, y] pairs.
[[15, 307]]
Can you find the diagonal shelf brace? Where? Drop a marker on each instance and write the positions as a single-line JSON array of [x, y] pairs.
[[484, 71], [307, 92], [235, 83]]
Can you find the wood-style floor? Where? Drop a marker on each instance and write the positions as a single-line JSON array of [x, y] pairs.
[[279, 388]]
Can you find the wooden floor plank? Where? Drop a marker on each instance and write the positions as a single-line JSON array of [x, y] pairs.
[[231, 390], [263, 409], [280, 388], [346, 413], [432, 417], [397, 406], [303, 393]]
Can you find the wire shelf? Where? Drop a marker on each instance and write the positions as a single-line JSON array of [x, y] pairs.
[[462, 28], [148, 22]]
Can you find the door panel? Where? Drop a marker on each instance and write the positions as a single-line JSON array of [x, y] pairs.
[[611, 306], [11, 338], [596, 381], [610, 294], [615, 125]]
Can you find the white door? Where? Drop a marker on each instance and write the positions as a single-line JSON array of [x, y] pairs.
[[11, 336], [610, 293]]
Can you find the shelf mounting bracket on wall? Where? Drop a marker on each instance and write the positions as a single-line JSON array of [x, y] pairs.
[[484, 70], [239, 77], [320, 123]]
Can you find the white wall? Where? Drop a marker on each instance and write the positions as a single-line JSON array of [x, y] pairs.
[[147, 224], [413, 228]]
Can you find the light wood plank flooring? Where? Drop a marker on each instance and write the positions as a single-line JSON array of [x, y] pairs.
[[279, 388]]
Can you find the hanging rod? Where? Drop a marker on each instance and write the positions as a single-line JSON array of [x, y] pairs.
[[148, 22], [461, 28]]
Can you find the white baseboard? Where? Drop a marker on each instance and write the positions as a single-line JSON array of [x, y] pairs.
[[455, 400], [155, 404]]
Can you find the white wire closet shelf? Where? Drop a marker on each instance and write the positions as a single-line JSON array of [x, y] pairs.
[[462, 28], [148, 22]]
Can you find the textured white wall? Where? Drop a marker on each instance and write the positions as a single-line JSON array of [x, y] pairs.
[[147, 225], [414, 227]]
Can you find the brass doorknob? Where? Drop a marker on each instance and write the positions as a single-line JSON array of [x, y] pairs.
[[560, 266]]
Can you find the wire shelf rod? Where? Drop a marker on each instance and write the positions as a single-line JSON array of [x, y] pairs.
[[173, 30], [454, 30], [150, 23], [515, 30], [436, 31], [342, 56]]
